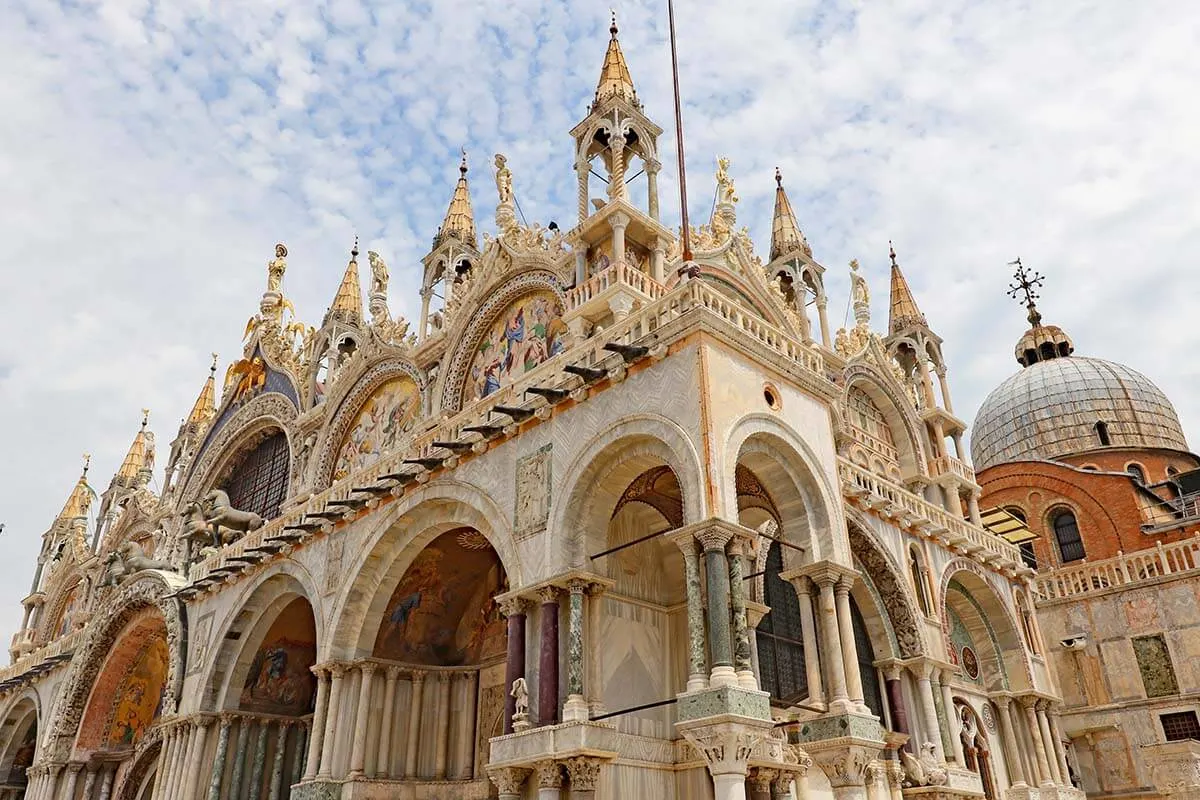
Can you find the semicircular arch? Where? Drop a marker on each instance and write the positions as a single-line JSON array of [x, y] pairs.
[[901, 417], [967, 585], [882, 572], [249, 425]]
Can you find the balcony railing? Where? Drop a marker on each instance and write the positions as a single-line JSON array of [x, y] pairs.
[[949, 465], [617, 274], [956, 532], [64, 644], [1126, 569]]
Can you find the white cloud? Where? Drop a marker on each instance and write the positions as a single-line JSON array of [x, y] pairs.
[[151, 153]]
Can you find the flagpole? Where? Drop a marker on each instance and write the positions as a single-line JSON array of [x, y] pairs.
[[683, 206]]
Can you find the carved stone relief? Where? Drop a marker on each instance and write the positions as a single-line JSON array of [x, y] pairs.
[[533, 494]]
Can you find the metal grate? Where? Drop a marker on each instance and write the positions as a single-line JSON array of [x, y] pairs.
[[866, 662], [1066, 533], [780, 636], [1180, 725], [259, 483]]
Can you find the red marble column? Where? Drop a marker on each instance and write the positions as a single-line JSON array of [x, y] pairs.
[[896, 704], [548, 659], [514, 609]]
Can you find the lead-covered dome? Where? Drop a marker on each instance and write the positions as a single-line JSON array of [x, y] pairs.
[[1068, 404]]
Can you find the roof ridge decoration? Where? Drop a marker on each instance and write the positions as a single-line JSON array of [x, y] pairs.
[[285, 340], [786, 236], [615, 79], [903, 312], [459, 222], [1040, 342], [849, 343]]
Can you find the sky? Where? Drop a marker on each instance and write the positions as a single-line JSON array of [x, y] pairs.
[[152, 153]]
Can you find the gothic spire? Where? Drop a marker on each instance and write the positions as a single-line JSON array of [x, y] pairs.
[[786, 235], [81, 496], [460, 219], [903, 313], [141, 452], [615, 80], [347, 303], [206, 404]]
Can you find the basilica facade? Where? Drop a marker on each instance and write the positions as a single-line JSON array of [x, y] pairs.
[[604, 522]]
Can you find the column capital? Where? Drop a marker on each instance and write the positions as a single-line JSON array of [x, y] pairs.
[[75, 767], [584, 773], [393, 672], [336, 670], [1002, 700], [619, 219], [761, 778], [512, 606], [508, 780], [548, 594], [845, 765], [548, 774], [1029, 701], [367, 668], [824, 573], [416, 675]]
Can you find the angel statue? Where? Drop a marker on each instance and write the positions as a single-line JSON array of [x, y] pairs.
[[858, 285], [276, 268], [503, 179], [726, 193], [379, 273]]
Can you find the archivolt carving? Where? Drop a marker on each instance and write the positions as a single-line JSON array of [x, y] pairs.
[[478, 323], [270, 409], [896, 600], [149, 590], [350, 404], [144, 757]]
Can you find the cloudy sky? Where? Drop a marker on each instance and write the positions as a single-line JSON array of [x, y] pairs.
[[152, 153]]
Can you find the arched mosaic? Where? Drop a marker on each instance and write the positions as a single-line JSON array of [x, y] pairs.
[[138, 698], [384, 418], [529, 331]]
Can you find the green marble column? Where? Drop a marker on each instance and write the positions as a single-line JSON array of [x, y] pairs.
[[239, 759], [277, 765], [575, 639], [737, 594], [697, 669], [258, 761], [218, 770]]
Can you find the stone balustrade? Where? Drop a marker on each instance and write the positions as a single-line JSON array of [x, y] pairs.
[[1126, 569], [64, 645]]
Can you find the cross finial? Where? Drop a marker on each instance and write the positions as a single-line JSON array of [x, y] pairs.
[[87, 462], [213, 368], [613, 27], [462, 167], [1027, 284], [892, 253], [145, 417], [354, 250], [778, 178]]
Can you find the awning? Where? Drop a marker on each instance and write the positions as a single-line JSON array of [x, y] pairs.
[[1007, 526]]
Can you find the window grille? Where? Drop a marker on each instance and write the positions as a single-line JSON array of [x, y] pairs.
[[780, 636], [1180, 725], [1066, 533], [260, 480]]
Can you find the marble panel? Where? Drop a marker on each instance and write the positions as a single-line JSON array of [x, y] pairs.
[[1124, 679]]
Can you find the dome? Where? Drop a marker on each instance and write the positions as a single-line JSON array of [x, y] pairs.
[[1052, 407]]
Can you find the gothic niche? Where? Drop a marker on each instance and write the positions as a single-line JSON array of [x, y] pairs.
[[527, 333], [442, 612]]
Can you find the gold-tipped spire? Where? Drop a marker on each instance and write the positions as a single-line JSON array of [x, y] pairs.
[[460, 219], [347, 303], [142, 447], [206, 404], [903, 313], [81, 496], [786, 235], [615, 80]]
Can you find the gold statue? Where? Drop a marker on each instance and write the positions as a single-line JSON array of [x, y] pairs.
[[726, 193], [503, 179], [276, 268], [379, 273]]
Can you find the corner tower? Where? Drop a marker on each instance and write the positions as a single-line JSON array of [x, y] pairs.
[[455, 250]]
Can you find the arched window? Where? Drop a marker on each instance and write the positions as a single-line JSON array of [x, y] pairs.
[[1066, 533], [780, 636], [916, 569], [260, 480], [1102, 434], [1172, 472], [1136, 472]]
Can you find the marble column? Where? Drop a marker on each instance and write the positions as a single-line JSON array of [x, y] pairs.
[[1028, 762], [237, 779], [358, 753], [1039, 747], [1012, 754], [315, 740], [179, 761], [743, 663], [548, 662], [760, 780], [218, 767], [298, 748], [618, 222], [849, 647], [1048, 743], [89, 780], [584, 775], [697, 675], [414, 716], [73, 780], [895, 698], [823, 317], [509, 781], [652, 167], [951, 727], [1060, 748], [196, 762], [548, 775], [895, 779], [514, 609], [259, 760], [443, 726], [931, 728], [106, 783], [466, 735], [658, 260], [337, 674], [160, 767], [808, 633], [616, 183], [51, 784], [576, 706], [383, 765], [276, 786], [713, 540], [831, 643]]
